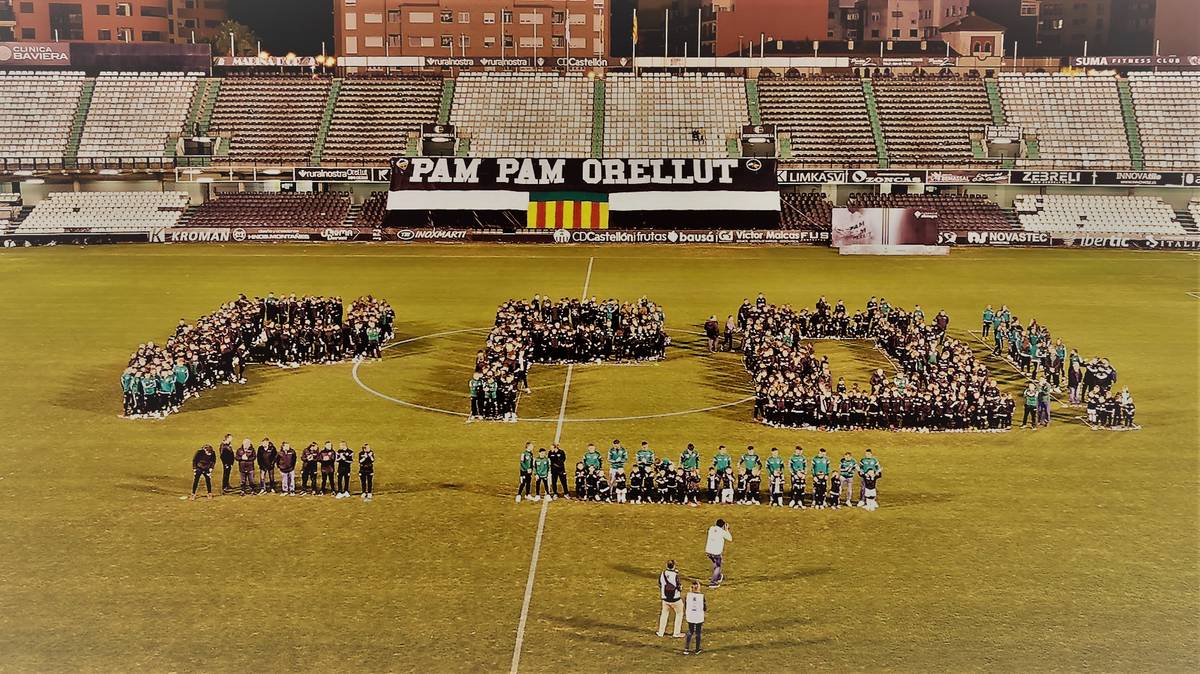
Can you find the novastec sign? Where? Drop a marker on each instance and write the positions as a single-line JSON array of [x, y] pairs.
[[35, 53]]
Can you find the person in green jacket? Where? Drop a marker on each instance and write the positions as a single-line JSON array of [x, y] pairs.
[[988, 317], [592, 459], [868, 465], [722, 460], [541, 471], [774, 463], [690, 459], [1031, 401], [166, 390], [129, 386], [797, 464], [645, 455], [526, 468], [749, 460], [617, 456], [846, 469], [182, 374], [149, 385], [820, 463]]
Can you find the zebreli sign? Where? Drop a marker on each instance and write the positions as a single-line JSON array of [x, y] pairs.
[[35, 53]]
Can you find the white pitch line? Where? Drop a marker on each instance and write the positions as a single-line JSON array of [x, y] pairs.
[[537, 540]]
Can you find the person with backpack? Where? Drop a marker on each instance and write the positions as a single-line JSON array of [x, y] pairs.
[[668, 590], [694, 607]]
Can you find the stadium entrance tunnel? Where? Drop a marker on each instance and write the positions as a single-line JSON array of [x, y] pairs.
[[430, 373]]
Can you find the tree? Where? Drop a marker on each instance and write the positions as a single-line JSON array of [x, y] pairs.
[[245, 39]]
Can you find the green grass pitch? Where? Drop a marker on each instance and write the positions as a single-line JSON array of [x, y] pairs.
[[1060, 549]]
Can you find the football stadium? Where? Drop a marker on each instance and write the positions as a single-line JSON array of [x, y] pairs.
[[845, 353]]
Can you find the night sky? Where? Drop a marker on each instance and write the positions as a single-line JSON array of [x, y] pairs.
[[288, 25]]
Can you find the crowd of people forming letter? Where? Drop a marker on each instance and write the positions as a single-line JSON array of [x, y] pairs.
[[287, 331], [1048, 365], [266, 460], [655, 479], [938, 386], [566, 331]]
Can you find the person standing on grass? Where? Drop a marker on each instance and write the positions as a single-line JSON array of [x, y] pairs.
[[526, 468], [267, 454], [202, 465], [668, 589], [1031, 400], [617, 456], [868, 464], [286, 462], [730, 328], [366, 472], [712, 331], [558, 471], [308, 469], [694, 606], [541, 471], [227, 461], [345, 461], [246, 460], [327, 458], [988, 316], [715, 549]]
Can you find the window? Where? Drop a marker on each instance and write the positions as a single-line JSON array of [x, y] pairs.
[[508, 42], [351, 3], [211, 23], [124, 9], [351, 44], [875, 34], [874, 17], [912, 32], [28, 34], [489, 18], [557, 41], [895, 32], [464, 41], [447, 16], [103, 10], [506, 15], [152, 36], [414, 41], [156, 12], [393, 16], [464, 17], [420, 17], [489, 41], [351, 21], [373, 41], [189, 23], [447, 41], [189, 4], [124, 35], [374, 17], [395, 41], [897, 15], [104, 35], [829, 34], [26, 8], [558, 18]]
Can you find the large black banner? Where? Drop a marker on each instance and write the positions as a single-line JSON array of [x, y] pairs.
[[583, 175]]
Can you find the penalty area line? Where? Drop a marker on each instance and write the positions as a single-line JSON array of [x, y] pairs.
[[537, 540]]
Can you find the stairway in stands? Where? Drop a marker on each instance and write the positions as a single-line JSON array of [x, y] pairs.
[[998, 119], [1188, 222], [876, 125], [71, 154], [326, 121], [598, 94], [1132, 133]]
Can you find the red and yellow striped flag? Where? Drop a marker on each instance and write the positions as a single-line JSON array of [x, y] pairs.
[[567, 210]]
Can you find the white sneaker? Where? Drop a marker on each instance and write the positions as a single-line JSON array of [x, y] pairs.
[[518, 498]]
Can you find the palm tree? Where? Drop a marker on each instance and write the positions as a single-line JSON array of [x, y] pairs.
[[244, 37]]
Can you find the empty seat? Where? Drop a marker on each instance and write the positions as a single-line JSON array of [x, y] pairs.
[[373, 117], [1096, 214], [956, 212], [1077, 119], [271, 119], [135, 114], [272, 209], [929, 120], [36, 113], [524, 114], [1167, 106], [824, 118], [104, 212], [662, 115]]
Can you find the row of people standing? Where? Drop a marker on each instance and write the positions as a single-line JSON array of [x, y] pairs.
[[268, 462]]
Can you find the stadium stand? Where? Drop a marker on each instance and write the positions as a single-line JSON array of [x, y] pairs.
[[809, 211], [524, 114], [956, 212], [373, 117], [104, 212], [134, 114], [824, 118], [1096, 214], [36, 112], [1077, 120], [928, 121], [1167, 106], [661, 115], [374, 210], [271, 119], [272, 209]]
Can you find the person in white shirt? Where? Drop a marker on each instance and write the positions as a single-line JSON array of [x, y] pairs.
[[694, 607], [668, 589], [717, 535]]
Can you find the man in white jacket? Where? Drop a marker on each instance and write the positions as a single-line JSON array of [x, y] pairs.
[[668, 590], [715, 549]]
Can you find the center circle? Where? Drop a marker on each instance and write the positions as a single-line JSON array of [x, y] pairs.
[[354, 373]]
